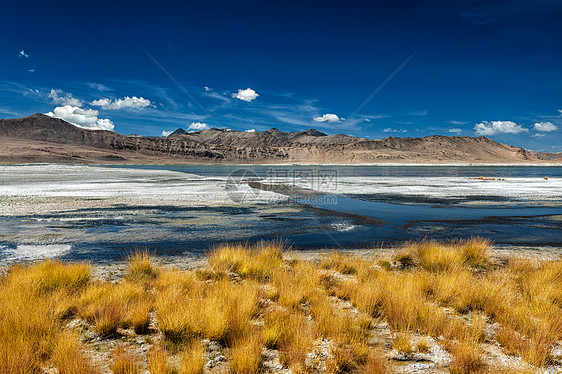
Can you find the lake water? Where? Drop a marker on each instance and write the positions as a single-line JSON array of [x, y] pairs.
[[101, 213]]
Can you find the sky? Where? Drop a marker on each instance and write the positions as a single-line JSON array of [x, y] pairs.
[[364, 68]]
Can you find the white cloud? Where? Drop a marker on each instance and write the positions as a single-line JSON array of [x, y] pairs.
[[198, 126], [538, 135], [251, 130], [328, 117], [545, 126], [58, 97], [560, 111], [126, 102], [245, 95], [420, 113], [388, 129], [455, 130], [457, 123], [207, 88], [99, 87], [23, 54], [85, 118], [32, 70], [497, 127], [165, 133], [104, 124]]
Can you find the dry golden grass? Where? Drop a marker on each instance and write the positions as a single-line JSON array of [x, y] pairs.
[[296, 341], [403, 343], [347, 358], [296, 284], [141, 267], [49, 276], [376, 363], [158, 362], [423, 346], [340, 262], [259, 261], [68, 356], [31, 306], [111, 306], [250, 297], [218, 311], [466, 359], [246, 354], [123, 362], [193, 360]]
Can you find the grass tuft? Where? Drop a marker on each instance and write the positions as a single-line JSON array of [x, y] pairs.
[[258, 262], [466, 359], [403, 344], [68, 356], [193, 360], [123, 362], [158, 362], [246, 355], [141, 267]]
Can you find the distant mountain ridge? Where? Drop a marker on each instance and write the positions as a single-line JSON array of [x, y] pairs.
[[40, 138]]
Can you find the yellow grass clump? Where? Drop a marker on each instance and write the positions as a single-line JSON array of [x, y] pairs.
[[158, 362], [123, 362], [141, 267], [246, 354], [218, 311], [259, 261], [69, 358], [403, 344], [466, 358], [193, 360]]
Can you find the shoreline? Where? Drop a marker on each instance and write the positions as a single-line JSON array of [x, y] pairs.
[[117, 269], [389, 164]]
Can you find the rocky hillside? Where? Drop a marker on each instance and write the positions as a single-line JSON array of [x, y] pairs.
[[40, 138]]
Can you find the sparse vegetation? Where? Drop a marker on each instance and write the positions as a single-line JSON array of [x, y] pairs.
[[316, 316]]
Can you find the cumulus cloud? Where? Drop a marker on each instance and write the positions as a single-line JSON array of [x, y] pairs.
[[245, 95], [23, 54], [85, 118], [545, 126], [126, 102], [165, 133], [58, 97], [198, 126], [388, 129], [328, 117], [251, 130], [498, 127], [455, 130]]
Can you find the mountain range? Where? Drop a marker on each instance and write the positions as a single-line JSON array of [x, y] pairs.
[[41, 138]]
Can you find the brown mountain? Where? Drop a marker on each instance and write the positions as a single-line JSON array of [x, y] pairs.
[[40, 138]]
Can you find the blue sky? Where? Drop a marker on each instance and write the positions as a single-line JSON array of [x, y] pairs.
[[364, 68]]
